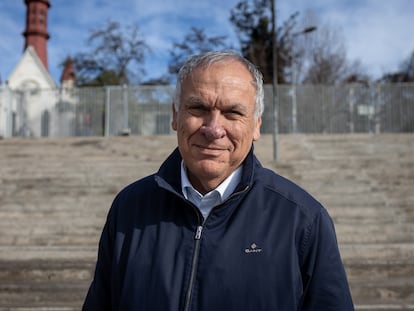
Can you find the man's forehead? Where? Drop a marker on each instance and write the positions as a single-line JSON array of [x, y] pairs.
[[241, 104], [221, 75]]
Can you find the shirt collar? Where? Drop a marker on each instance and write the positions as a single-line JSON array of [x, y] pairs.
[[225, 189]]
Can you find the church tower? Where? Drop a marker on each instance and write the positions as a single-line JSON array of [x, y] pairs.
[[36, 34]]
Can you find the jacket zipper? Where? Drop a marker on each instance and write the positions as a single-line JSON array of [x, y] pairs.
[[194, 264]]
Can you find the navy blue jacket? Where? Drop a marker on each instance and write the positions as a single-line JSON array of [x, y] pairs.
[[269, 246]]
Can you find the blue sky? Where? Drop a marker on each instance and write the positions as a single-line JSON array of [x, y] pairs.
[[378, 33]]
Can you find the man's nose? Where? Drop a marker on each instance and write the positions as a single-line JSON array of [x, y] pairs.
[[212, 128]]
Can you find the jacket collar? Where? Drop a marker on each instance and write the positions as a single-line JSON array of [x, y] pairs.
[[169, 174]]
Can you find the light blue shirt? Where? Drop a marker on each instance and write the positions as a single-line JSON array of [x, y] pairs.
[[205, 203]]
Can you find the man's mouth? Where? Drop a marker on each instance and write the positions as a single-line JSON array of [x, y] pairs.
[[210, 150]]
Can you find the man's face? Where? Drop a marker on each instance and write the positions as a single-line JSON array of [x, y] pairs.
[[215, 122]]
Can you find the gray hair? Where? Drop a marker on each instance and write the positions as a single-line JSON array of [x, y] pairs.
[[206, 59]]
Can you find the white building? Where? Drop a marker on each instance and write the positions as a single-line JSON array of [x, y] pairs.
[[31, 102]]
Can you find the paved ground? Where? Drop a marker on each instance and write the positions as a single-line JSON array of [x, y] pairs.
[[55, 193]]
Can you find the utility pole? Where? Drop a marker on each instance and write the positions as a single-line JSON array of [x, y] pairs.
[[274, 66], [294, 78]]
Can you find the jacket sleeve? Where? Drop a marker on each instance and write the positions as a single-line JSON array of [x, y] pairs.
[[99, 294], [325, 286]]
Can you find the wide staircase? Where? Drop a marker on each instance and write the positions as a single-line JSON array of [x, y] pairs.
[[55, 194]]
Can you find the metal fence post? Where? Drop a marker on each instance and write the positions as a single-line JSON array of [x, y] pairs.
[[378, 109], [107, 109], [9, 112], [294, 110], [126, 130], [274, 67], [351, 109]]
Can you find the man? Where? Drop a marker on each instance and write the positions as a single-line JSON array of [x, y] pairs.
[[213, 229]]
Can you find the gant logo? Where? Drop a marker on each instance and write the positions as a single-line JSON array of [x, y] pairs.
[[253, 249]]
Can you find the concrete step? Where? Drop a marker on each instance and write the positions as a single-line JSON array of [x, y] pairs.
[[44, 295], [49, 253], [52, 285], [375, 233], [374, 306], [367, 253], [382, 271], [44, 271], [362, 214], [390, 291], [39, 309]]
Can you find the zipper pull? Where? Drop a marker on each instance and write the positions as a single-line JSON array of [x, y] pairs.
[[198, 232]]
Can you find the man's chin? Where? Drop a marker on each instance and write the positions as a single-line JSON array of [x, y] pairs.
[[209, 168]]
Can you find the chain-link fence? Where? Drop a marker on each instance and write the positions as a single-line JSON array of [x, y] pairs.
[[146, 110], [344, 109]]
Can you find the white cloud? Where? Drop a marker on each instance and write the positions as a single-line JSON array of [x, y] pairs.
[[379, 34]]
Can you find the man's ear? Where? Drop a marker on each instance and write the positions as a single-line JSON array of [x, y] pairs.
[[174, 117], [256, 133]]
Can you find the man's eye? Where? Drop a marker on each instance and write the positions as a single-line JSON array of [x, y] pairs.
[[234, 113], [197, 108]]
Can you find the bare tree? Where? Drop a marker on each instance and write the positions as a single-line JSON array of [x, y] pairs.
[[253, 23], [196, 41], [322, 57], [327, 58], [115, 55], [404, 74]]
